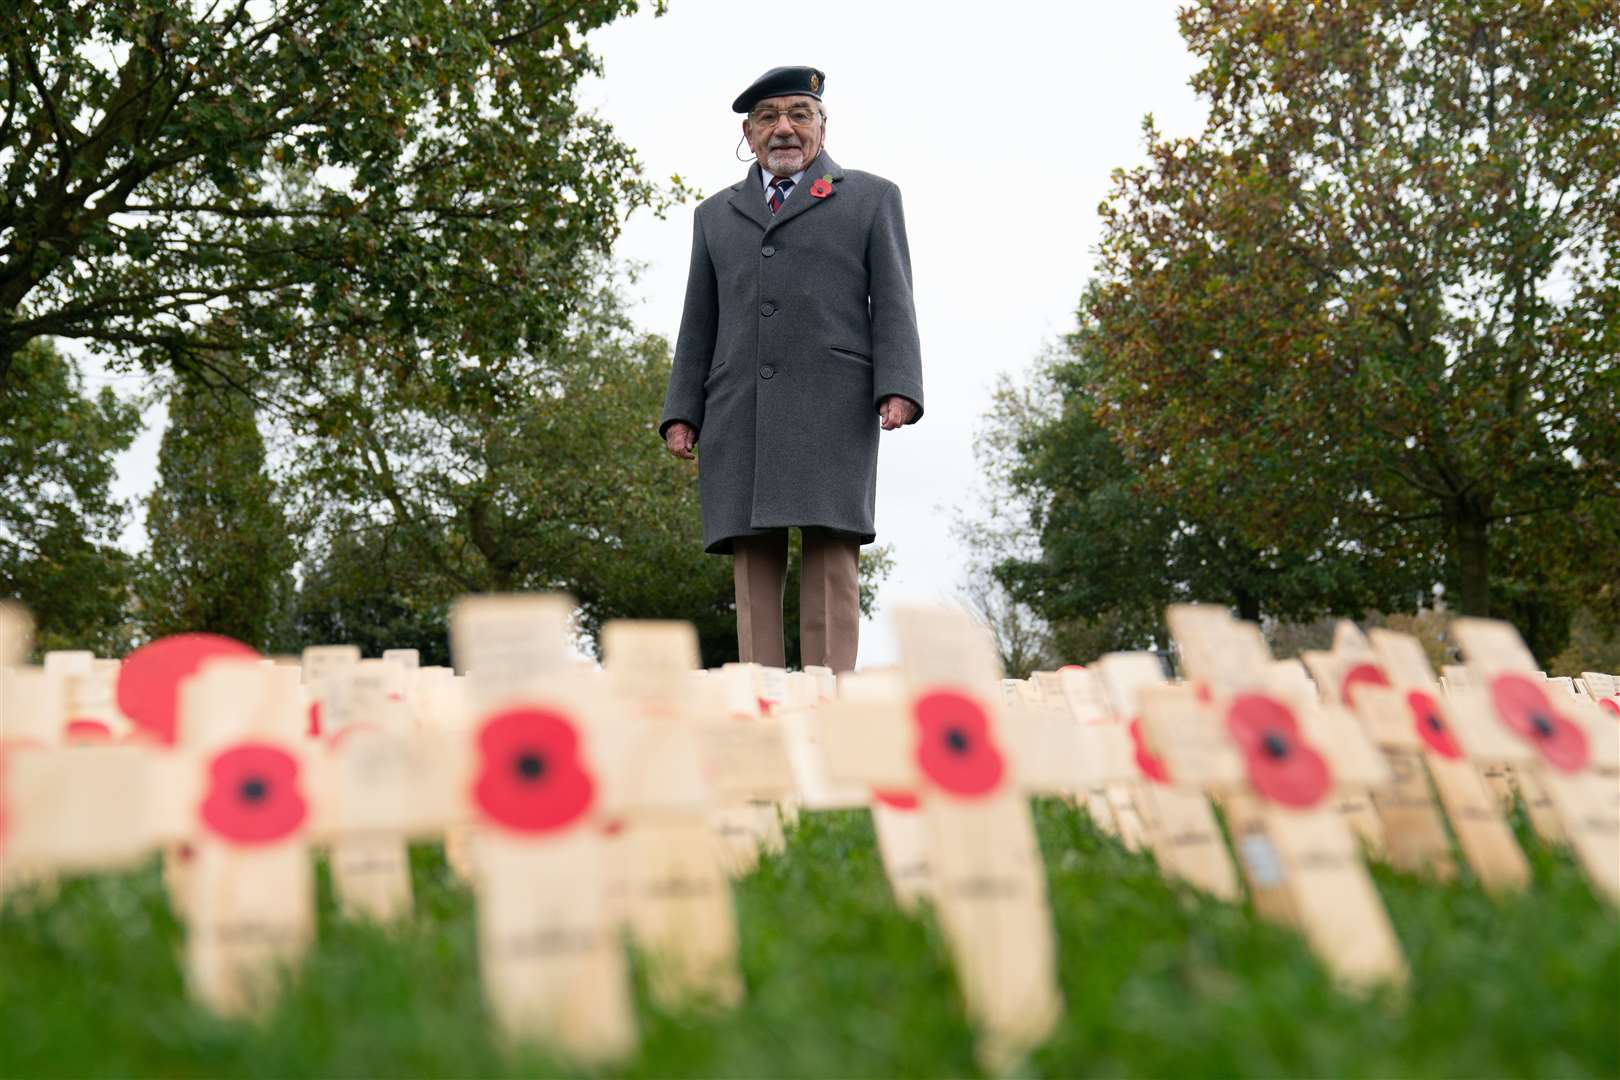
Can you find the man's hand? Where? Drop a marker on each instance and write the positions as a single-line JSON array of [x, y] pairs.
[[895, 410], [679, 439]]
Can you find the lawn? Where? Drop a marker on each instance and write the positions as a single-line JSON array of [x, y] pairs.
[[841, 983]]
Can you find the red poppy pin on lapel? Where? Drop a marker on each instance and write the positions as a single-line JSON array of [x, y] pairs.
[[821, 187]]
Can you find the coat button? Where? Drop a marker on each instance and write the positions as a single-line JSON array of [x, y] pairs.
[[767, 309], [767, 371], [767, 251]]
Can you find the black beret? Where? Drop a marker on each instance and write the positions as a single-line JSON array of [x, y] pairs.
[[779, 82]]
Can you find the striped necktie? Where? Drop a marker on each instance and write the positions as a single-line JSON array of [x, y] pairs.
[[779, 191]]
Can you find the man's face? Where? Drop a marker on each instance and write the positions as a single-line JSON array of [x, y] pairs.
[[782, 146]]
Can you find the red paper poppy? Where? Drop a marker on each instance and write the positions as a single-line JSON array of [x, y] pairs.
[[314, 729], [764, 706], [1611, 705], [84, 730], [253, 795], [149, 680], [1431, 727], [1147, 762], [1527, 711], [1363, 674], [1203, 693], [532, 780], [895, 799], [954, 746], [821, 187], [1282, 766]]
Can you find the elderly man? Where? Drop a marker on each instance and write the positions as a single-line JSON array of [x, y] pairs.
[[798, 343]]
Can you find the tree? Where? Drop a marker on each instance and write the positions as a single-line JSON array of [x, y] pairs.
[[183, 182], [1110, 553], [218, 550], [365, 587], [58, 520], [1376, 296]]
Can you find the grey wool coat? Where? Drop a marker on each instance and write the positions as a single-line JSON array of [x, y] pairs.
[[796, 325]]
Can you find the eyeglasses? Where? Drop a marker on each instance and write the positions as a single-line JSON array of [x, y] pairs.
[[799, 117]]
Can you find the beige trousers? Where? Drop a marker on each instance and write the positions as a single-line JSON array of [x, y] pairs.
[[829, 599]]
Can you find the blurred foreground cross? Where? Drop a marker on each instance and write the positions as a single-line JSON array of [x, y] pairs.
[[946, 741], [677, 899], [550, 959], [16, 633], [1413, 829], [1273, 759], [1414, 716], [1180, 824], [1565, 743]]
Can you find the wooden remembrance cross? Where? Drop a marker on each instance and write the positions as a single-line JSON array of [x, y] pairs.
[[372, 758], [1575, 747], [550, 959], [250, 902], [1413, 829], [47, 824], [1181, 828], [678, 897], [1273, 760], [1413, 713], [988, 880]]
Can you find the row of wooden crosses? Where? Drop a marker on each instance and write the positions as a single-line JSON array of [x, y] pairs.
[[587, 805]]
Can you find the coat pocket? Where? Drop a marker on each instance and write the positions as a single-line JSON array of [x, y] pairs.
[[715, 371], [853, 354]]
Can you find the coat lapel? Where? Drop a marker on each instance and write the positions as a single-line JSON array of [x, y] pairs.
[[800, 200], [748, 198]]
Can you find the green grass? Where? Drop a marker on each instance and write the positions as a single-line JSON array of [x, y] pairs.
[[840, 983]]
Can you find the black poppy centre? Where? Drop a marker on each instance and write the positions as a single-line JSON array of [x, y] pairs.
[[1542, 724], [1275, 745], [957, 740], [530, 766], [253, 789]]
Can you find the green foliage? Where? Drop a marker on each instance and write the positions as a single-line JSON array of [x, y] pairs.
[[312, 173], [366, 586], [1376, 295], [58, 519], [1112, 552], [218, 552], [1158, 982]]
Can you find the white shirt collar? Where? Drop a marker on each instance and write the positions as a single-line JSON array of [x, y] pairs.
[[766, 176]]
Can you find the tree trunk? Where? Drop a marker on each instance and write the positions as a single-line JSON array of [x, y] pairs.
[[1470, 546], [1248, 605]]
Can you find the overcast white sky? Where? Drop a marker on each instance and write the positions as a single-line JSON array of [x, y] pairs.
[[1001, 124]]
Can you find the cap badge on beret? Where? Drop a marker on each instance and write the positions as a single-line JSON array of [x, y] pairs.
[[815, 83]]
